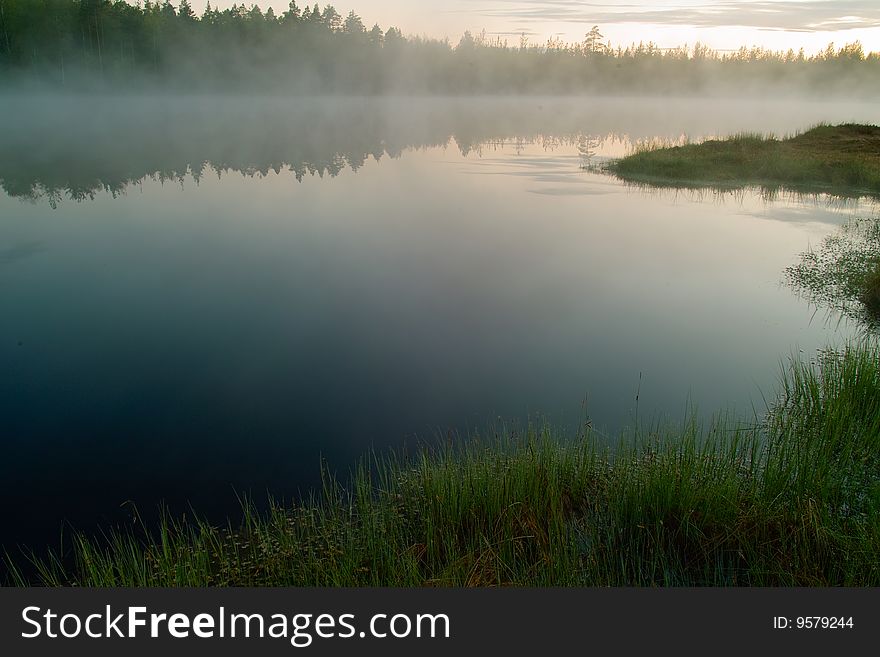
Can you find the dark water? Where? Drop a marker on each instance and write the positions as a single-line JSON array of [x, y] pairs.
[[205, 296]]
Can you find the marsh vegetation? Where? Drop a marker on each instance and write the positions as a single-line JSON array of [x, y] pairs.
[[843, 272]]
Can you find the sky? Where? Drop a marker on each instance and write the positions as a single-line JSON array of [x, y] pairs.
[[722, 24]]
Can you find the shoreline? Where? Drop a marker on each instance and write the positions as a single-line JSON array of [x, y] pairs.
[[791, 501]]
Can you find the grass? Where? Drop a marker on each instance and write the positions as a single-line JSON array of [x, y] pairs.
[[841, 159], [793, 500]]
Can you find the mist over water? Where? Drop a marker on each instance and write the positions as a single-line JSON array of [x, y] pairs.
[[60, 146], [203, 295]]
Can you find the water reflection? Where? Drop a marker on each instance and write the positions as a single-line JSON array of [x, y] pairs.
[[20, 251], [54, 148]]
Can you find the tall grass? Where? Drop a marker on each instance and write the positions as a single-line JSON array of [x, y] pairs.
[[792, 500]]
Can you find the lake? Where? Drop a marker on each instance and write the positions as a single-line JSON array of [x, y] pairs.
[[203, 297]]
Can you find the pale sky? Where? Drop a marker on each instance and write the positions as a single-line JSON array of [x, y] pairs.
[[723, 24]]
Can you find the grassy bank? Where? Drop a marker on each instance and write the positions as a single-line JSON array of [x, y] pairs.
[[794, 500], [842, 159]]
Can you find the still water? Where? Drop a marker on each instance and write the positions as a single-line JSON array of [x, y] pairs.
[[204, 297]]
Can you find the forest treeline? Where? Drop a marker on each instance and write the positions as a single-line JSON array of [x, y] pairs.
[[76, 44]]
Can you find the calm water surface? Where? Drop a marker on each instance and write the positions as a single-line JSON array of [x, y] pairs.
[[201, 297]]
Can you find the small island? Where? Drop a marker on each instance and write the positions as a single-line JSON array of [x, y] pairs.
[[843, 160], [840, 160]]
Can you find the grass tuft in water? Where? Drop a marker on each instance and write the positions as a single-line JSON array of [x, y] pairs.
[[843, 274]]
